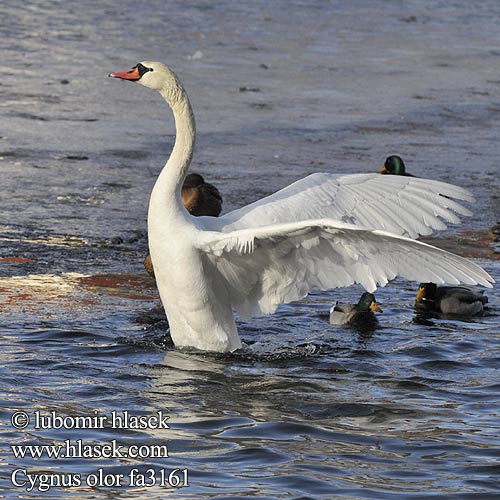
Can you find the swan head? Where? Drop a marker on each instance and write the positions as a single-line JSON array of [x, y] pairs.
[[154, 75]]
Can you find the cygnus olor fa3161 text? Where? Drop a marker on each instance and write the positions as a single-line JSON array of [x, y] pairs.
[[321, 232]]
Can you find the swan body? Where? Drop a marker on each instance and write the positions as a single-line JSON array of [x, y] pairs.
[[456, 300], [199, 198], [321, 232], [360, 314]]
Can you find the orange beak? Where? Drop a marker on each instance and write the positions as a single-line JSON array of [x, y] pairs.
[[132, 74], [383, 170]]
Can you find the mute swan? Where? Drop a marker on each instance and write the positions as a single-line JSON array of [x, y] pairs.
[[458, 300], [321, 232], [360, 314], [199, 198], [394, 165]]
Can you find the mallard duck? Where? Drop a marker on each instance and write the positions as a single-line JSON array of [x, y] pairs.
[[394, 165], [200, 198], [459, 300], [360, 314]]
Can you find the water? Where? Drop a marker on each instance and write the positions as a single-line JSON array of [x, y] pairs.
[[305, 410]]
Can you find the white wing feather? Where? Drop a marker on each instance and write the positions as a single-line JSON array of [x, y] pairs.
[[407, 206], [268, 266]]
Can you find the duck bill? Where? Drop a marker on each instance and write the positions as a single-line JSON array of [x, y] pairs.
[[132, 74], [374, 307], [383, 170], [420, 294]]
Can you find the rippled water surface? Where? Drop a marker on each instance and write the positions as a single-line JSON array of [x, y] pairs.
[[280, 89]]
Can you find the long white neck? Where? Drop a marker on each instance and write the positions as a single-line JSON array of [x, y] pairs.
[[166, 195]]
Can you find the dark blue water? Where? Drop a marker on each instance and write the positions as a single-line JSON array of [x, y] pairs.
[[408, 410]]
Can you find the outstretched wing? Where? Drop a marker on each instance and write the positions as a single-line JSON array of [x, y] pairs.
[[268, 266], [407, 206]]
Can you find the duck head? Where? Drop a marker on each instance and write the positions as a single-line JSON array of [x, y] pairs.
[[393, 165], [367, 302], [426, 292]]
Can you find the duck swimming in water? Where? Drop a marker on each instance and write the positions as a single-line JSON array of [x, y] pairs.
[[360, 314], [321, 232], [456, 300]]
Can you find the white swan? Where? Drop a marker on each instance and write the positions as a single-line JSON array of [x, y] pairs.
[[321, 232]]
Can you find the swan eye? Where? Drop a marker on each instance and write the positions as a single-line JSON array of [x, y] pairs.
[[142, 69]]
